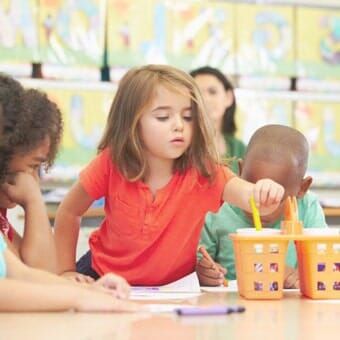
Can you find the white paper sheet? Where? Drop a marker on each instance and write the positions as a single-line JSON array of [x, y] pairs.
[[147, 296], [232, 287], [184, 288], [162, 308]]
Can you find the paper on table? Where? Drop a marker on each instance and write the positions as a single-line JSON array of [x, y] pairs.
[[162, 308], [184, 288], [154, 296], [189, 284], [232, 287]]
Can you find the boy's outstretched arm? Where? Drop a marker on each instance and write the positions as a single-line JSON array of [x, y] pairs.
[[23, 188], [267, 194], [67, 223]]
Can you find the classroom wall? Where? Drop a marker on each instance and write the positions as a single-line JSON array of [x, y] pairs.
[[282, 57]]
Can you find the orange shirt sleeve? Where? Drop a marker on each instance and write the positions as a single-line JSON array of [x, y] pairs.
[[95, 177]]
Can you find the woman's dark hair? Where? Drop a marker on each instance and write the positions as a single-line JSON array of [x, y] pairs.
[[228, 123]]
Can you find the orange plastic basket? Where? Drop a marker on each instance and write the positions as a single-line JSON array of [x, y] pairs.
[[260, 263], [319, 266]]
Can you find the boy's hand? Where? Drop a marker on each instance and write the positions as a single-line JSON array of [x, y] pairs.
[[114, 284], [268, 195], [22, 188], [210, 274], [291, 278]]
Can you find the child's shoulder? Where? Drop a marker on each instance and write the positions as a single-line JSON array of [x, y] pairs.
[[103, 159], [308, 200], [220, 173], [228, 216], [311, 212]]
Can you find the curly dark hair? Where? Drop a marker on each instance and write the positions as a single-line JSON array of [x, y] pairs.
[[228, 123], [28, 117], [40, 118], [11, 101]]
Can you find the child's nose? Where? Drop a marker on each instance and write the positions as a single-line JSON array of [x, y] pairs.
[[178, 124]]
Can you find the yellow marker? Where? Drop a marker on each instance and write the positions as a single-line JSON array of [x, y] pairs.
[[256, 214]]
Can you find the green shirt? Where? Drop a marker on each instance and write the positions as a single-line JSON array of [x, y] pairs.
[[236, 150], [229, 218]]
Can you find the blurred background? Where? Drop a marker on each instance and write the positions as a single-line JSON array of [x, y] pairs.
[[283, 58]]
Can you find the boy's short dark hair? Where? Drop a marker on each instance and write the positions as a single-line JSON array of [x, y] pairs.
[[277, 143]]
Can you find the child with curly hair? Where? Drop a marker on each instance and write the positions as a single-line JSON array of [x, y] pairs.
[[30, 130]]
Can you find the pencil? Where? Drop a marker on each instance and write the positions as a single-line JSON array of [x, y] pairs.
[[206, 255], [256, 214]]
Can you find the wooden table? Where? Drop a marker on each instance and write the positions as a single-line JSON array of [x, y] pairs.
[[291, 318], [332, 215]]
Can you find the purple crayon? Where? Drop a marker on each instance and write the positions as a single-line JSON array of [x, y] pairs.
[[209, 310]]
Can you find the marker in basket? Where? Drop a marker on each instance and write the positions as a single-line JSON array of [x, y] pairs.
[[206, 255], [209, 310], [256, 214]]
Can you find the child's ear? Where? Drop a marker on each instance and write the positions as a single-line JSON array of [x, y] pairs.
[[305, 184], [240, 166]]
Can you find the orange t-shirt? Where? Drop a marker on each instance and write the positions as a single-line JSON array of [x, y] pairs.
[[149, 241]]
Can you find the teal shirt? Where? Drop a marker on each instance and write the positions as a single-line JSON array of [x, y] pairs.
[[218, 226], [2, 257], [236, 150]]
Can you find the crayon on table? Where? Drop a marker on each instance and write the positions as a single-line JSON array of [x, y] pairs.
[[209, 310]]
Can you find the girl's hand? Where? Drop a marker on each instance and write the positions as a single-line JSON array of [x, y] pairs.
[[268, 195], [114, 284], [22, 188], [77, 277], [94, 301], [208, 274]]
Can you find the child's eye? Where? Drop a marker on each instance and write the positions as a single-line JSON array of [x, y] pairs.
[[188, 118], [212, 91], [162, 118]]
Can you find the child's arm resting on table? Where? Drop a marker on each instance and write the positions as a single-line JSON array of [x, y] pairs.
[[267, 194], [23, 189], [21, 296], [28, 289], [67, 223]]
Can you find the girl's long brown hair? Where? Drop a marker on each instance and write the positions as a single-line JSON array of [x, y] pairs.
[[134, 94]]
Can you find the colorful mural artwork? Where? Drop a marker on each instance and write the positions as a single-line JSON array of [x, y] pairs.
[[318, 43], [72, 32], [19, 41]]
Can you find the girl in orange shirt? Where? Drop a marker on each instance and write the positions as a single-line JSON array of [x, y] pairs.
[[159, 172]]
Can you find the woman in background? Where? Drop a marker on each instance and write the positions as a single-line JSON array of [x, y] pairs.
[[219, 98]]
